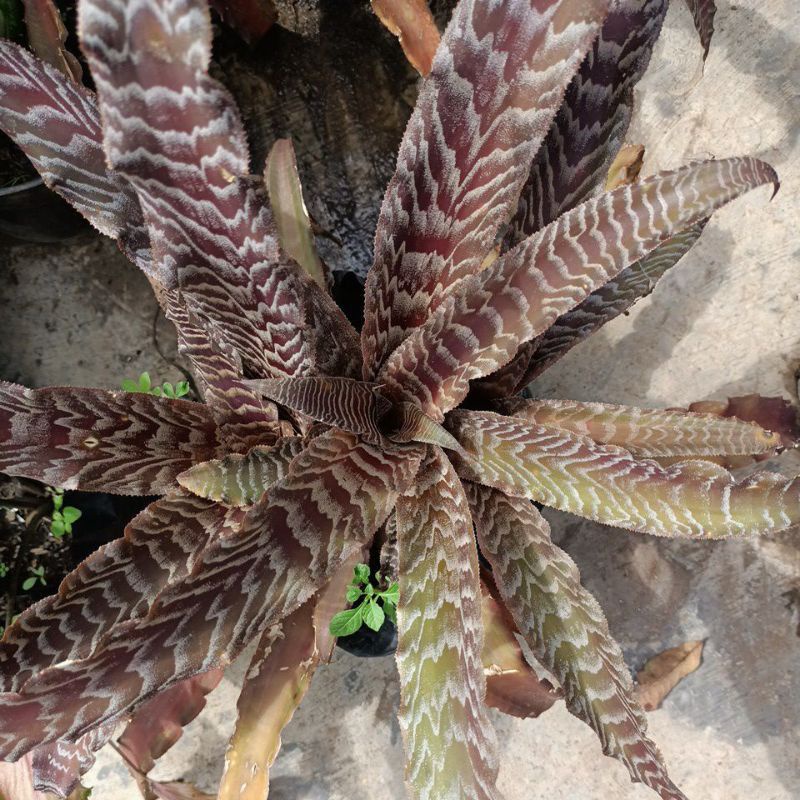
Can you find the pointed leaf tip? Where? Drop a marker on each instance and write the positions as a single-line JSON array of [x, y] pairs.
[[566, 629], [497, 80], [480, 326]]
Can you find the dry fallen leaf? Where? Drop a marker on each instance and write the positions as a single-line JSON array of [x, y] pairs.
[[511, 684], [412, 23], [626, 166], [47, 37], [662, 673]]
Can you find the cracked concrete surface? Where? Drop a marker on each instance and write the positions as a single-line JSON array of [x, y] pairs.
[[726, 322]]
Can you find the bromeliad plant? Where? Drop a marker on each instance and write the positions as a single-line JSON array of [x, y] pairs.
[[312, 444]]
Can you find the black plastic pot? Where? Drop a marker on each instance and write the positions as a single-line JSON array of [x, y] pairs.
[[30, 212], [103, 519], [366, 643]]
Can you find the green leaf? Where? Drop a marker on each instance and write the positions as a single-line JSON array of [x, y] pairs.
[[390, 612], [373, 615], [168, 389], [144, 382], [181, 388], [71, 514], [156, 392], [361, 571], [346, 622], [353, 593], [28, 584], [57, 527], [369, 590], [130, 386], [392, 594], [58, 500]]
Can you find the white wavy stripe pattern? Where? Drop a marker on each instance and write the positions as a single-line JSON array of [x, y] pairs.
[[497, 79], [243, 419], [593, 119], [585, 135], [56, 123], [343, 402], [241, 480], [338, 492], [609, 301], [647, 432], [118, 582], [449, 740], [176, 135], [703, 12], [566, 629], [95, 440], [481, 325], [607, 484], [57, 767]]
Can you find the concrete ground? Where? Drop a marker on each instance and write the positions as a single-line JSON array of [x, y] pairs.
[[726, 322]]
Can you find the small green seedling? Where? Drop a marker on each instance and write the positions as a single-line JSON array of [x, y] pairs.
[[145, 386], [63, 516], [372, 604], [37, 575], [3, 569]]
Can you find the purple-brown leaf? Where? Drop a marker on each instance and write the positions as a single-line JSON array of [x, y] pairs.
[[56, 123], [338, 492], [176, 135], [242, 418], [480, 325], [118, 582], [590, 125], [609, 301], [16, 780], [95, 440], [497, 78], [58, 766], [583, 140], [703, 12], [352, 405]]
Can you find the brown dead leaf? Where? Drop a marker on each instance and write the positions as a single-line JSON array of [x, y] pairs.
[[412, 23], [511, 685], [662, 673], [47, 36], [626, 166]]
